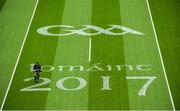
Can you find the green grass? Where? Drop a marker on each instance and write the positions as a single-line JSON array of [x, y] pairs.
[[14, 19], [128, 49], [143, 50], [166, 18], [104, 52]]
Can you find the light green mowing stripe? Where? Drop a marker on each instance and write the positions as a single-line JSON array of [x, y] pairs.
[[37, 48], [71, 50], [142, 50], [13, 24], [107, 50]]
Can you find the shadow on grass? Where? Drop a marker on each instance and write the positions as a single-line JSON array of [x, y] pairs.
[[2, 2]]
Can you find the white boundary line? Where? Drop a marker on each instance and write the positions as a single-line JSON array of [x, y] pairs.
[[17, 61], [162, 62], [89, 49]]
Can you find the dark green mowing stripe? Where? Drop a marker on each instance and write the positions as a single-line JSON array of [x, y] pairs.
[[2, 2], [37, 49], [107, 49], [166, 17]]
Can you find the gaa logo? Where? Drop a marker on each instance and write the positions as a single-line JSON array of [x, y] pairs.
[[83, 31]]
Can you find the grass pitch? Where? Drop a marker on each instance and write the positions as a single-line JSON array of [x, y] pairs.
[[95, 55]]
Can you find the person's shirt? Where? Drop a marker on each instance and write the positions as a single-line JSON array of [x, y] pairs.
[[37, 66]]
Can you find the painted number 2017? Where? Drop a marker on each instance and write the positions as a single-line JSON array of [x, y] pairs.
[[83, 83]]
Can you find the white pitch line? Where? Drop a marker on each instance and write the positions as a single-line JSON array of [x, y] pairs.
[[17, 61], [90, 49], [162, 62]]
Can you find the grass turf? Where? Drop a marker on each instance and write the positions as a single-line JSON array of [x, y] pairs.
[[64, 50]]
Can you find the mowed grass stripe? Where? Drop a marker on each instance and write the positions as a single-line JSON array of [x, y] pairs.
[[169, 40], [71, 50], [2, 2], [142, 50], [15, 13], [37, 49], [107, 50]]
